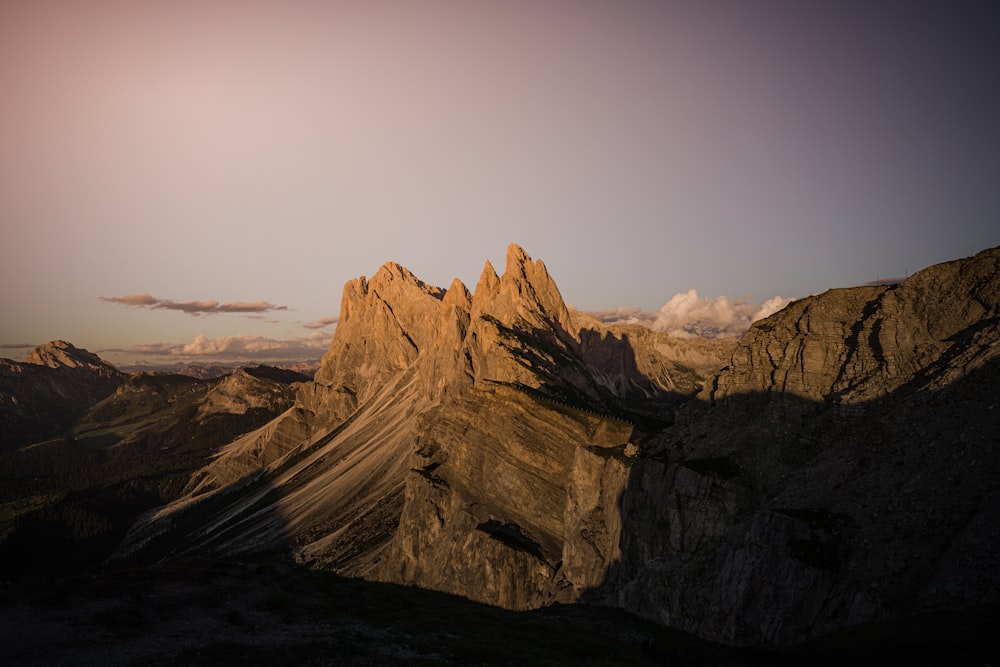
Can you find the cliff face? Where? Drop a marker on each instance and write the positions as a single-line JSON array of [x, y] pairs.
[[494, 444], [841, 469], [859, 344]]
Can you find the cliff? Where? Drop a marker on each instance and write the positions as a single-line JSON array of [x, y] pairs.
[[841, 470]]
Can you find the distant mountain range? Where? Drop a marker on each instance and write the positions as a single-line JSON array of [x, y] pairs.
[[836, 468], [85, 448], [307, 368]]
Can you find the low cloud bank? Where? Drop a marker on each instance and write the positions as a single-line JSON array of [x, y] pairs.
[[687, 315], [226, 349], [208, 307]]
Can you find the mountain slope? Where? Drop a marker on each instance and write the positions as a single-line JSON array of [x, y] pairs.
[[130, 451], [414, 390]]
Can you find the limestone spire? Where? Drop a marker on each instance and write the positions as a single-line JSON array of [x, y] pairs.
[[488, 283]]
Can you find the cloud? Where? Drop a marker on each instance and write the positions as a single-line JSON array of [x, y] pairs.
[[140, 300], [227, 349], [770, 307], [322, 322], [208, 307], [16, 346], [687, 315], [189, 307], [248, 307]]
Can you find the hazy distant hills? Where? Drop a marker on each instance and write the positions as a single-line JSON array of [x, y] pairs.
[[44, 394], [306, 368], [86, 448], [835, 470]]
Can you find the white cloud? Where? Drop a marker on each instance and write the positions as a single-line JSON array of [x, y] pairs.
[[226, 349], [687, 315], [770, 307]]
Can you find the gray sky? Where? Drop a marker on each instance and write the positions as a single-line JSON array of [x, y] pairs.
[[256, 155]]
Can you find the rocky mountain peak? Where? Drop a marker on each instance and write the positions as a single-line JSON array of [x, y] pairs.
[[525, 296], [61, 354], [489, 282], [54, 387], [517, 258], [457, 296], [393, 274], [384, 324]]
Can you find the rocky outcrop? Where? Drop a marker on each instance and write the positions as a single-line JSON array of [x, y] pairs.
[[384, 324], [643, 365]]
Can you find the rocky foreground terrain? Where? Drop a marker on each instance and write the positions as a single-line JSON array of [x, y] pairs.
[[827, 484], [265, 612]]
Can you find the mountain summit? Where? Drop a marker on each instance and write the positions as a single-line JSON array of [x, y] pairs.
[[60, 354], [43, 395]]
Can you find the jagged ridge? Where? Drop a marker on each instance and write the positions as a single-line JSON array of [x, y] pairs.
[[428, 357]]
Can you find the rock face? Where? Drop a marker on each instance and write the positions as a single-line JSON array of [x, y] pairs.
[[249, 389], [855, 345], [842, 469], [494, 444], [56, 384]]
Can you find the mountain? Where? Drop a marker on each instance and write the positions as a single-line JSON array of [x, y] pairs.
[[830, 479], [122, 444], [490, 393], [43, 395], [841, 470]]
